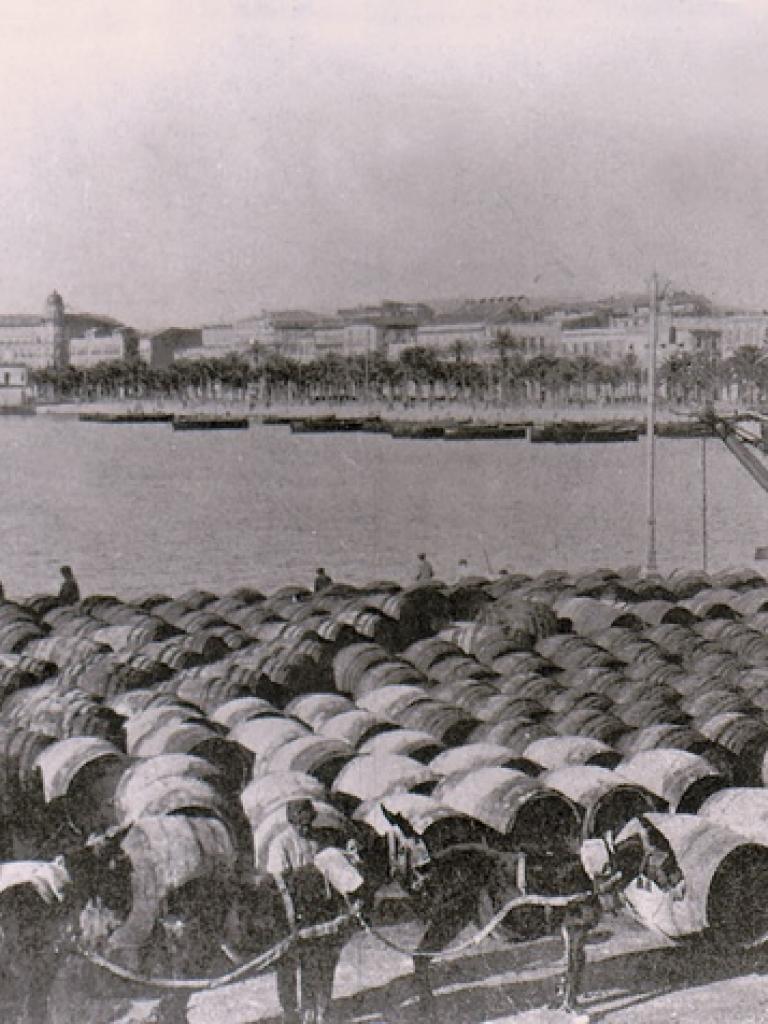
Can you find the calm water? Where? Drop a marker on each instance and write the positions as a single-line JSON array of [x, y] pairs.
[[138, 508]]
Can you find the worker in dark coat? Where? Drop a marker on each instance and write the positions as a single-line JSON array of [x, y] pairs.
[[322, 580], [69, 592]]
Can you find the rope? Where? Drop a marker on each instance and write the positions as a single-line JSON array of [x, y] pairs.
[[259, 963], [474, 940]]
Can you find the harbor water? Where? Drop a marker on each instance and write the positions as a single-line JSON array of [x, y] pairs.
[[139, 508]]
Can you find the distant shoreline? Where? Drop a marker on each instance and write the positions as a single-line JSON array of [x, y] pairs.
[[420, 410]]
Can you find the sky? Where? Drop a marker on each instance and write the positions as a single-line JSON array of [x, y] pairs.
[[194, 161]]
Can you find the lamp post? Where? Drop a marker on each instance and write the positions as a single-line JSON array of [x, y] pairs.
[[650, 437]]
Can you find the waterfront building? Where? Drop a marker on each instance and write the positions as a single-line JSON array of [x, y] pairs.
[[729, 331], [608, 344], [475, 332], [485, 330], [42, 340], [455, 337], [165, 346], [288, 332], [101, 347], [304, 335]]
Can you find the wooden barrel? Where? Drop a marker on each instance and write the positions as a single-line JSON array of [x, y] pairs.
[[146, 772], [579, 700], [64, 651], [16, 636], [561, 751], [471, 694], [597, 724], [144, 723], [514, 805], [385, 674], [425, 653], [352, 727], [457, 667], [414, 743], [316, 708], [170, 795], [607, 803], [743, 809], [170, 851], [681, 779], [275, 789], [439, 826], [60, 762], [369, 776], [389, 701], [715, 603], [240, 709], [173, 738], [265, 734], [316, 755], [726, 878], [447, 724], [589, 616], [529, 686], [471, 755], [515, 733]]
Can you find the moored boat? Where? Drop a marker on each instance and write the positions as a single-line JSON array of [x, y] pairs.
[[575, 432], [416, 429], [202, 421], [486, 431], [126, 417], [335, 424]]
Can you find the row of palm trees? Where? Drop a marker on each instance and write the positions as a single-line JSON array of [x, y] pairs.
[[418, 373]]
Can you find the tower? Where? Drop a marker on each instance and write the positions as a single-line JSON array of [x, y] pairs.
[[54, 312]]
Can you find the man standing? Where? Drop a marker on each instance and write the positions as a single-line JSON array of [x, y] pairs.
[[424, 570], [305, 973], [69, 592], [322, 580]]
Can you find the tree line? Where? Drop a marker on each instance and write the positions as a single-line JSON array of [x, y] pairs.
[[510, 376]]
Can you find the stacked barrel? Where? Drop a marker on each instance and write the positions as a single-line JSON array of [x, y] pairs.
[[521, 711]]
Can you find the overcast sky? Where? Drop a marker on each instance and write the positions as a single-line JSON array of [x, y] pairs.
[[189, 161]]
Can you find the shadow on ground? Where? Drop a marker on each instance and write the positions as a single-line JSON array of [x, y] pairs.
[[481, 988]]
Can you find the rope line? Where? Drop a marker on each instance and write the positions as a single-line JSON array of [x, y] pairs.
[[485, 931], [259, 963]]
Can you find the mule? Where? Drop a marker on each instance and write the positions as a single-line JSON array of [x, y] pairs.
[[467, 883], [40, 904]]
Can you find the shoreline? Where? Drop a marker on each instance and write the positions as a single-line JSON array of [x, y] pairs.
[[426, 411]]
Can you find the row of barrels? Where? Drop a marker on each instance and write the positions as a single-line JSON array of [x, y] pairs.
[[523, 723], [469, 693]]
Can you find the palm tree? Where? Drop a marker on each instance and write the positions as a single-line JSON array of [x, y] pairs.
[[509, 350], [546, 373], [585, 370], [747, 367]]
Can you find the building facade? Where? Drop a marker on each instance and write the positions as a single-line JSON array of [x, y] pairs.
[[38, 341], [99, 347]]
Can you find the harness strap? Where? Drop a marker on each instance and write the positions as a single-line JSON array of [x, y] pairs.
[[288, 905], [521, 878]]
